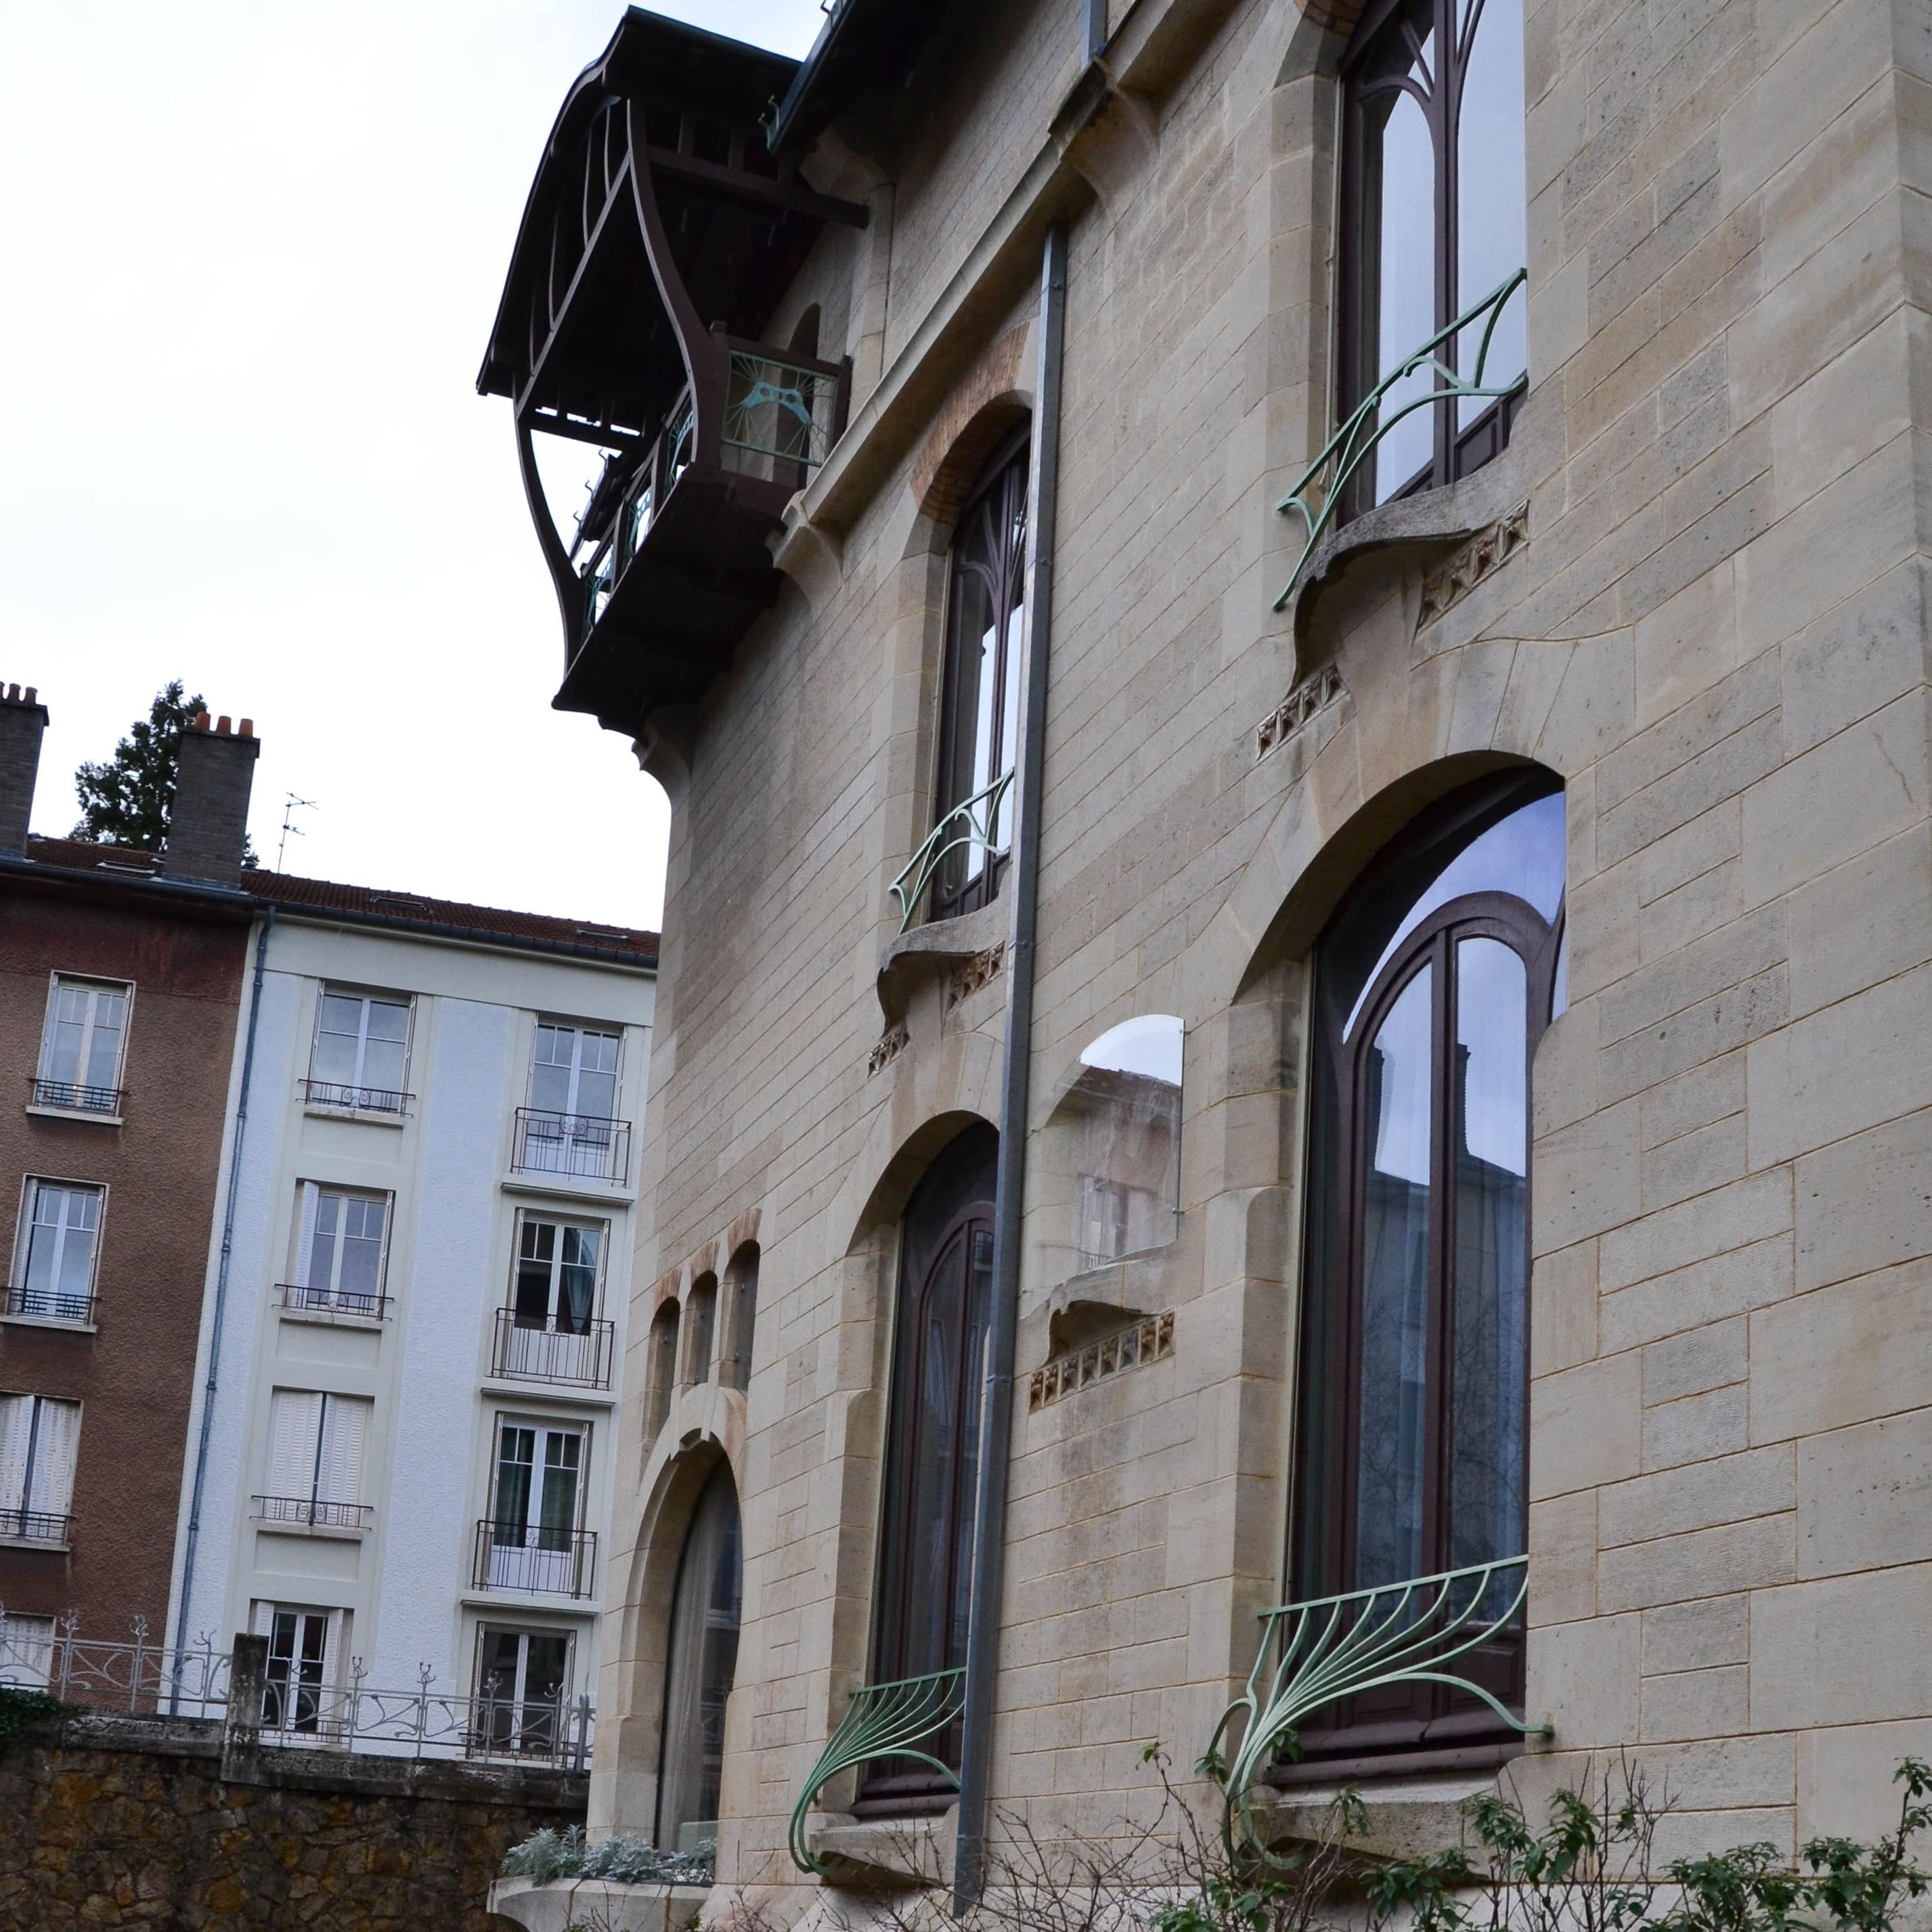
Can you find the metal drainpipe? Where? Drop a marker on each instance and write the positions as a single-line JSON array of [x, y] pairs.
[[220, 1305], [996, 1407]]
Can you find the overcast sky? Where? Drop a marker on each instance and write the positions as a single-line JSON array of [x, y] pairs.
[[253, 250]]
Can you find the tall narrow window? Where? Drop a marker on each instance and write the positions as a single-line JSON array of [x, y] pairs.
[[340, 1251], [1433, 983], [523, 1683], [302, 1648], [569, 1126], [54, 1261], [1436, 219], [742, 1290], [946, 1264], [316, 1446], [978, 723], [361, 1053], [701, 1660], [81, 1050], [702, 1328], [39, 1436], [551, 1331], [535, 1541]]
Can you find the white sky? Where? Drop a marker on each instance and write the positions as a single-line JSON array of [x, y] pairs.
[[253, 250]]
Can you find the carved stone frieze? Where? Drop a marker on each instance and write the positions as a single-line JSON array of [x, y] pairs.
[[1485, 553], [892, 1043], [1299, 709], [1146, 1341], [980, 971]]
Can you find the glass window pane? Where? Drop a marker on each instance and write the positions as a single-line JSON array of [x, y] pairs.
[[1398, 167], [1492, 236], [382, 1063], [701, 1661], [388, 1020], [1490, 1322], [1396, 1120]]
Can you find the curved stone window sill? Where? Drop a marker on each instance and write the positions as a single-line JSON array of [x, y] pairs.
[[931, 952]]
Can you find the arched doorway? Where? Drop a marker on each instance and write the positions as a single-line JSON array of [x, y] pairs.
[[700, 1659]]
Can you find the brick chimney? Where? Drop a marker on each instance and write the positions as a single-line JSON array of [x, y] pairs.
[[208, 830], [22, 719]]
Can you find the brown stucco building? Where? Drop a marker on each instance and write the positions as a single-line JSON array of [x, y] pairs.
[[120, 978]]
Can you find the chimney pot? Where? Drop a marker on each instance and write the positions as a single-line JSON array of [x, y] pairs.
[[248, 727], [21, 725], [221, 724], [33, 696], [201, 720]]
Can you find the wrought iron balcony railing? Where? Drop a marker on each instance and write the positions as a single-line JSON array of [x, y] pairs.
[[316, 1512], [319, 1298], [75, 1097], [551, 1349], [528, 1557], [883, 1720], [586, 1147], [977, 822], [44, 1304], [340, 1098], [1325, 482], [30, 1525], [1314, 1654]]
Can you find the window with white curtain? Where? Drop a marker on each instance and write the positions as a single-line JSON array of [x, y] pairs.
[[361, 1059], [317, 1441], [38, 1437], [26, 1651], [340, 1249], [54, 1259], [82, 1047], [573, 1070]]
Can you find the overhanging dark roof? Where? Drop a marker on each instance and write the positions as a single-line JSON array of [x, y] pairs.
[[864, 44]]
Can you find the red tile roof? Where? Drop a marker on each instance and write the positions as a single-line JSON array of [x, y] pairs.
[[369, 905]]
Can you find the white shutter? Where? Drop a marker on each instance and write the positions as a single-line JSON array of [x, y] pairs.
[[345, 1429], [17, 1420], [56, 1437], [295, 1420], [305, 1238]]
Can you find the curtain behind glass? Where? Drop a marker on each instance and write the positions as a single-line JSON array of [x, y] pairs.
[[700, 1662]]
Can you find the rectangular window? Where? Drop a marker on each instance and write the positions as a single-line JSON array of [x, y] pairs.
[[535, 1542], [302, 1647], [550, 1332], [316, 1445], [574, 1071], [341, 1251], [361, 1052], [523, 1690], [38, 1437], [81, 1050], [26, 1651], [60, 1236]]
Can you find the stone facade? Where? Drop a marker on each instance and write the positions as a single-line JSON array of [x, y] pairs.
[[1693, 587]]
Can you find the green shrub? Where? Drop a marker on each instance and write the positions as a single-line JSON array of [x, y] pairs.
[[547, 1854], [19, 1709]]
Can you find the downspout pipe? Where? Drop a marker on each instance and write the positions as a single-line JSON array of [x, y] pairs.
[[996, 1406], [222, 1266]]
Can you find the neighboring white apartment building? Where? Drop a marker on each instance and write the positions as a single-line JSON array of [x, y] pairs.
[[416, 1300]]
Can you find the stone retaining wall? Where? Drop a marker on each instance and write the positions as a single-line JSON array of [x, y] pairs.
[[113, 1822]]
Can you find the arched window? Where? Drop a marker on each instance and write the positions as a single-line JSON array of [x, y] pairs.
[[699, 1660], [742, 1286], [661, 1371], [702, 1327], [946, 1268], [1433, 982], [1434, 218], [978, 723]]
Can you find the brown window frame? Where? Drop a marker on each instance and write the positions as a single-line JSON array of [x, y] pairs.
[[1426, 1726], [1456, 454]]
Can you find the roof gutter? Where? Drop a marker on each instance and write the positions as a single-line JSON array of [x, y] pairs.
[[468, 935], [996, 1407]]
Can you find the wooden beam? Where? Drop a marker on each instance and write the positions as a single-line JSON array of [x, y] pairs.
[[790, 197]]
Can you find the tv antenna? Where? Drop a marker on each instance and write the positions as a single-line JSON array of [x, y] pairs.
[[289, 810]]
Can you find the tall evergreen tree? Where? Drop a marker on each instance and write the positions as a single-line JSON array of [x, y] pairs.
[[125, 800]]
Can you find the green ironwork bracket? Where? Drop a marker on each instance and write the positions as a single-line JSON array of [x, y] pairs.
[[882, 1721], [1351, 446], [972, 822], [1332, 1647]]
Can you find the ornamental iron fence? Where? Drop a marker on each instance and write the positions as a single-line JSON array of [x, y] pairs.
[[977, 822], [72, 1096]]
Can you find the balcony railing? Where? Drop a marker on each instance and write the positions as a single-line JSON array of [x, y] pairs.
[[314, 1511], [339, 1098], [1315, 1655], [977, 822], [1323, 487], [527, 1557], [552, 1350], [319, 1298], [883, 1720], [74, 1096], [583, 1146], [28, 1525], [45, 1304]]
